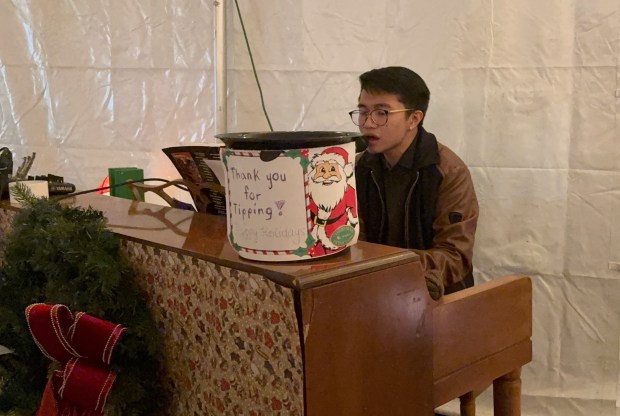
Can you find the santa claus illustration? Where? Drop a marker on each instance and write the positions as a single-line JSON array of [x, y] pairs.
[[333, 203]]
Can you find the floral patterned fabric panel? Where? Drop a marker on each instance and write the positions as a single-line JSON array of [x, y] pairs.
[[231, 337]]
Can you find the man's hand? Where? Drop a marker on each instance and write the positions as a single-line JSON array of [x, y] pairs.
[[434, 284]]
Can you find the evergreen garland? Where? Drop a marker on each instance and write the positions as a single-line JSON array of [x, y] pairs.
[[58, 254]]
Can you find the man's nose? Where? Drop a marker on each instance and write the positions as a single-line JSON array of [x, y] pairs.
[[368, 120]]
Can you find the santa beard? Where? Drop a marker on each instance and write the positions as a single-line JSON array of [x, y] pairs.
[[326, 197]]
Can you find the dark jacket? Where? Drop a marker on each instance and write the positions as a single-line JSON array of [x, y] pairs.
[[441, 210]]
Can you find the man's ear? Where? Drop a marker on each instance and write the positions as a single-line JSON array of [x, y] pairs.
[[415, 119]]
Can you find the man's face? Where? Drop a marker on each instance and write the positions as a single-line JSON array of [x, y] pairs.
[[393, 138]]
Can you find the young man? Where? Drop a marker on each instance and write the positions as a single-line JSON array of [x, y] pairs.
[[413, 192]]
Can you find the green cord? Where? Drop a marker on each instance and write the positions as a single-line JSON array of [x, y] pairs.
[[247, 43]]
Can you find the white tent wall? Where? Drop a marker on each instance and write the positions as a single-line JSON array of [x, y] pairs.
[[89, 85], [525, 92]]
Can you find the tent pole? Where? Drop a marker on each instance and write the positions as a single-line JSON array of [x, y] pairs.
[[220, 67]]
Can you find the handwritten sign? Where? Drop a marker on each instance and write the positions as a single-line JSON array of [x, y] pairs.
[[266, 201]]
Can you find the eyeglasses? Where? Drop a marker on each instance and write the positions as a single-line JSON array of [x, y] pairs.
[[378, 116]]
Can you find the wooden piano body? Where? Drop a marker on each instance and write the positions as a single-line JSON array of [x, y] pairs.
[[399, 353], [482, 335], [351, 334]]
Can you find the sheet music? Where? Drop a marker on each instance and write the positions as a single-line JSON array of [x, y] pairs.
[[201, 165]]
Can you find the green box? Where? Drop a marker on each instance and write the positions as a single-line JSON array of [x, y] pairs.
[[121, 175]]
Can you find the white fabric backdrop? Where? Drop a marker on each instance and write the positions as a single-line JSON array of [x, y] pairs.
[[526, 92]]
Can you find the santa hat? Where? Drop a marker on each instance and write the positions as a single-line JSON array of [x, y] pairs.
[[336, 154]]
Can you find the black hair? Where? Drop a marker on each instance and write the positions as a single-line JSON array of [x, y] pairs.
[[408, 86]]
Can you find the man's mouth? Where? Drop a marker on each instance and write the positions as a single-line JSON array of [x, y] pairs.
[[371, 139]]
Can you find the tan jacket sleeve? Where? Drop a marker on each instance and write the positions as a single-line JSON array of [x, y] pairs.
[[456, 217]]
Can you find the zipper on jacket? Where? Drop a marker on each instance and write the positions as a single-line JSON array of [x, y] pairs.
[[381, 225], [407, 203]]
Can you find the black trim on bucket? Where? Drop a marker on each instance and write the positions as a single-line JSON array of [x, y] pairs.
[[282, 140]]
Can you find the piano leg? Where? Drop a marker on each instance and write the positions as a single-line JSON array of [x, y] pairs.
[[507, 394], [468, 404]]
